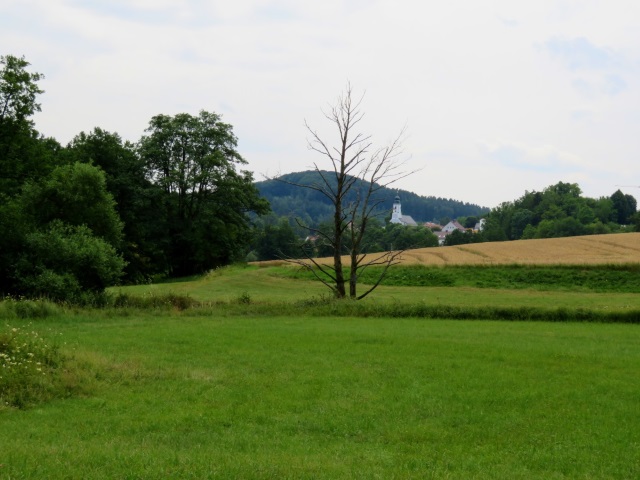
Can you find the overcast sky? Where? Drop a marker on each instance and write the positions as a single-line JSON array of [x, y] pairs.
[[498, 97]]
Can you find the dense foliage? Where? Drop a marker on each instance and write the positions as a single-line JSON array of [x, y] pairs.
[[137, 200], [205, 198], [559, 211], [77, 219]]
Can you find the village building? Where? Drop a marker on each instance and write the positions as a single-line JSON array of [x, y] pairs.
[[452, 226], [441, 232], [433, 226], [398, 218], [480, 225]]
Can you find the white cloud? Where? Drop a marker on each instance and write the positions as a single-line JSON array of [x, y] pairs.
[[580, 53]]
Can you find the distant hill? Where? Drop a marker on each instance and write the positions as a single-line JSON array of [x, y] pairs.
[[313, 207]]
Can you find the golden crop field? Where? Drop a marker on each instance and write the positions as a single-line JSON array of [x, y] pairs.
[[591, 249]]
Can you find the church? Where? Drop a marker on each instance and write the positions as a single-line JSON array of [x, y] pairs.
[[397, 217]]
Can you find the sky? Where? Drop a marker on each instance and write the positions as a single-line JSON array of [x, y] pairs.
[[498, 97]]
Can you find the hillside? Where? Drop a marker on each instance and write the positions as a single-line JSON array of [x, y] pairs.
[[616, 248], [313, 207]]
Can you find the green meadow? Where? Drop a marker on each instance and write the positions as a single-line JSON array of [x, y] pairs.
[[255, 372]]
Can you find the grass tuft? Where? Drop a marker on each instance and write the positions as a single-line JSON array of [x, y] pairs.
[[30, 367], [23, 308], [152, 300]]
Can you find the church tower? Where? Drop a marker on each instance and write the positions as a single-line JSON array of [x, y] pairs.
[[396, 213]]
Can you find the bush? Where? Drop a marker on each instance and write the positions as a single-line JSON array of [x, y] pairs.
[[244, 298], [65, 261]]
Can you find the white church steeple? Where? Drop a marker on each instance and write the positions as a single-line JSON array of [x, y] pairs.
[[396, 213]]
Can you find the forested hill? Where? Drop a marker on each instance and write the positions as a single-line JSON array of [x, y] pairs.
[[313, 207]]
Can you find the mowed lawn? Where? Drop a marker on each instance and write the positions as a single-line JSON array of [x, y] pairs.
[[216, 396]]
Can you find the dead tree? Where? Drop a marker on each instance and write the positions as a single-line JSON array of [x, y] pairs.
[[358, 172]]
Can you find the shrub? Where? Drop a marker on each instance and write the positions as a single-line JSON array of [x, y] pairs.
[[64, 261], [244, 298]]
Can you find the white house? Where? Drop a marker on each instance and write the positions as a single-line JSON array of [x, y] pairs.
[[452, 226]]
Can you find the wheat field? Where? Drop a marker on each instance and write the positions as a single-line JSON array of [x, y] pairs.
[[591, 249]]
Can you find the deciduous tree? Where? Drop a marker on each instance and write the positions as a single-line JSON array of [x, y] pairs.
[[24, 154], [352, 184], [138, 201], [18, 89], [77, 195], [61, 236], [207, 197], [625, 206]]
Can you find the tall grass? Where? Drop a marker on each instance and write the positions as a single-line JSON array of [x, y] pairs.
[[29, 367], [597, 278], [23, 308], [325, 306]]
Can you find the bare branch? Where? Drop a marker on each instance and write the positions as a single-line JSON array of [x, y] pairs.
[[309, 268], [394, 259], [358, 172]]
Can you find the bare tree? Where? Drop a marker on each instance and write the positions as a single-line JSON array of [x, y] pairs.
[[358, 172]]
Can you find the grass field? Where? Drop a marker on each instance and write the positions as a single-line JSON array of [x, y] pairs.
[[269, 378], [182, 396], [269, 285]]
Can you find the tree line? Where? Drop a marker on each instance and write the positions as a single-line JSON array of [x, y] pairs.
[[75, 219], [560, 210]]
